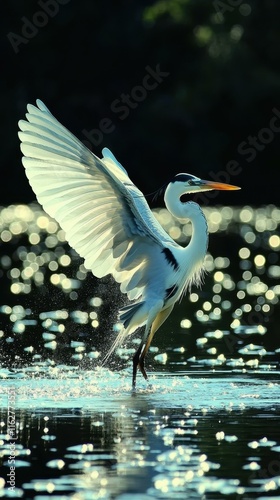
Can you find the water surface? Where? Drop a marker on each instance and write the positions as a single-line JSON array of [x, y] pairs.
[[207, 424]]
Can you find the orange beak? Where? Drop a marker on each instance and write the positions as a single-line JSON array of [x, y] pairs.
[[218, 185]]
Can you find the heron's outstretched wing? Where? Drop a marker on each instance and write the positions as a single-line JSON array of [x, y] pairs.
[[106, 219]]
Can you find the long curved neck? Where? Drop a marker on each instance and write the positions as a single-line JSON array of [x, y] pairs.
[[188, 212], [199, 239]]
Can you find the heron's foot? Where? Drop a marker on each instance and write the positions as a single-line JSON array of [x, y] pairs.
[[134, 373], [133, 390], [143, 371], [138, 362], [141, 365]]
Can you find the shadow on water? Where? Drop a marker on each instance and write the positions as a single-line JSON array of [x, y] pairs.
[[206, 428]]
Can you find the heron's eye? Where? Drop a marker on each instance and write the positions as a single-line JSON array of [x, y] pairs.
[[191, 183]]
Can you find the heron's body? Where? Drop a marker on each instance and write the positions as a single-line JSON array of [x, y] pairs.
[[107, 220]]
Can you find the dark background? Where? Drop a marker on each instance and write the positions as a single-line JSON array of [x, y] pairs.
[[223, 83]]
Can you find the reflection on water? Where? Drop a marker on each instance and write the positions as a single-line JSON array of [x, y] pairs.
[[206, 427], [203, 436]]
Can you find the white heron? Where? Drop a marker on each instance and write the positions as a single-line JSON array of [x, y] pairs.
[[108, 222]]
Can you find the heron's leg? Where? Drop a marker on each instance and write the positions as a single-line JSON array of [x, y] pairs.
[[136, 358], [139, 356]]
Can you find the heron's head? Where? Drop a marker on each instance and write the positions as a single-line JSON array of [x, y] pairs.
[[191, 184]]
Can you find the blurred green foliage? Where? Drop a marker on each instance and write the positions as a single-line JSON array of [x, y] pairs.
[[222, 58]]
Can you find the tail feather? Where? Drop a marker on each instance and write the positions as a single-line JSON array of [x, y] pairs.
[[117, 342], [127, 313]]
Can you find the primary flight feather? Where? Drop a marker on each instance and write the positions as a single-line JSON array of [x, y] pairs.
[[108, 222]]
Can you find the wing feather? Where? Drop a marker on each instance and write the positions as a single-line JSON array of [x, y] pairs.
[[105, 217]]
